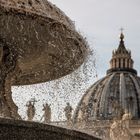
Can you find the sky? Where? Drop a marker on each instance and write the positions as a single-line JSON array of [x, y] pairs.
[[100, 22]]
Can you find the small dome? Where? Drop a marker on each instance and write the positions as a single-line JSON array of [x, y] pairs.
[[113, 94]]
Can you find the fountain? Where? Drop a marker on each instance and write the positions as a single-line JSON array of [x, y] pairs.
[[38, 43]]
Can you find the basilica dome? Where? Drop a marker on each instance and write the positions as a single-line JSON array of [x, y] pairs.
[[118, 91]]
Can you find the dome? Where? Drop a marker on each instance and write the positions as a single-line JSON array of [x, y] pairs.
[[118, 91]]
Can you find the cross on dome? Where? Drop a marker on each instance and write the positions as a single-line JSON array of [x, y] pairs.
[[122, 35]]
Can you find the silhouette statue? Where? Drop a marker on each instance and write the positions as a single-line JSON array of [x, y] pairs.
[[68, 113], [47, 113], [30, 110]]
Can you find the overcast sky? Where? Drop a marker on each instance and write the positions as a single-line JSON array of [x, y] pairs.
[[100, 21]]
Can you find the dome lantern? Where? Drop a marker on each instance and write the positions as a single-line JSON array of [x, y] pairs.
[[121, 58]]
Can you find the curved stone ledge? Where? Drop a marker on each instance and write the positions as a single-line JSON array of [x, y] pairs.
[[24, 130]]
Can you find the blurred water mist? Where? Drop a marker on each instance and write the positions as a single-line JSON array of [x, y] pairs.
[[58, 92]]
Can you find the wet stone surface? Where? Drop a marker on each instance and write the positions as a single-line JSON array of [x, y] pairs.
[[21, 130], [48, 45]]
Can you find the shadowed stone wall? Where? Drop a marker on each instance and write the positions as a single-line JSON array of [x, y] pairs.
[[21, 130]]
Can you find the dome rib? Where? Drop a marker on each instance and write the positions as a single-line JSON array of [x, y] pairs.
[[89, 93], [104, 95], [131, 96], [137, 87], [122, 90], [95, 99]]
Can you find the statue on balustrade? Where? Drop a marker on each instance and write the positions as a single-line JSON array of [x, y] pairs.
[[30, 110], [120, 129], [47, 113], [68, 113]]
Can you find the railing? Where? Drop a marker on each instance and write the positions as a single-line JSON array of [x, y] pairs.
[[93, 125]]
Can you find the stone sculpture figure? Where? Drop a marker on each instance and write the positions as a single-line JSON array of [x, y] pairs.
[[120, 130], [68, 113], [30, 110], [115, 130], [125, 121], [47, 113]]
